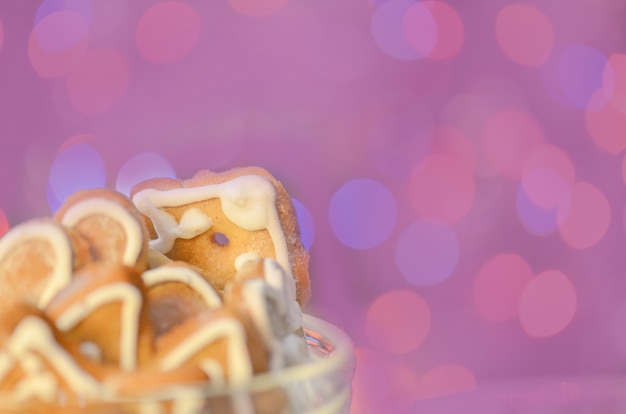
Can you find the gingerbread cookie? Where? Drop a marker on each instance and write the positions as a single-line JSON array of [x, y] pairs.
[[107, 219], [264, 296], [36, 363], [103, 309], [217, 221], [175, 292], [219, 342], [37, 259], [194, 287]]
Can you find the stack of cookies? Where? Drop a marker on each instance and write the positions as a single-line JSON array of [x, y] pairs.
[[186, 282]]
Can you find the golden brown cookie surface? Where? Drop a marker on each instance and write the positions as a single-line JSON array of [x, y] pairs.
[[37, 259], [217, 221], [175, 292], [226, 348], [38, 364], [103, 309], [108, 220]]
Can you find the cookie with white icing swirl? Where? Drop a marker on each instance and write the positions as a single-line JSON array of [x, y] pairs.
[[218, 341], [175, 292], [109, 221], [217, 221], [103, 310], [264, 295], [38, 364], [37, 259]]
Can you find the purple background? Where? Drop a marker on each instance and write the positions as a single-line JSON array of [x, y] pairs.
[[457, 166]]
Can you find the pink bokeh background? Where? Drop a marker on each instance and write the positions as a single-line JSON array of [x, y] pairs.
[[458, 166]]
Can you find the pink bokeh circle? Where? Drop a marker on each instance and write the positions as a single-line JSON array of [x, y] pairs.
[[442, 188], [616, 71], [524, 34], [607, 124], [98, 82], [553, 158], [547, 304], [450, 31], [499, 284], [167, 32], [420, 28], [537, 220], [61, 31], [547, 176], [398, 321], [545, 188], [53, 65], [381, 384], [585, 219], [451, 141], [508, 138], [387, 29]]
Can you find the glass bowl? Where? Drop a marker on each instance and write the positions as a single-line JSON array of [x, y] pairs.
[[322, 386]]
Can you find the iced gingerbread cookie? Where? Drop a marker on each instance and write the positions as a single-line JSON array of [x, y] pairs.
[[37, 259], [265, 296], [218, 221], [37, 364], [104, 311], [224, 347], [175, 292], [107, 219]]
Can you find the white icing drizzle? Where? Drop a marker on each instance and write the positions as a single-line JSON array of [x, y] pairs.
[[276, 277], [31, 363], [243, 258], [6, 363], [32, 337], [276, 287], [286, 347], [192, 223], [60, 245], [237, 356], [42, 385], [156, 258], [214, 371], [184, 275], [124, 218], [256, 293], [131, 300], [248, 201]]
